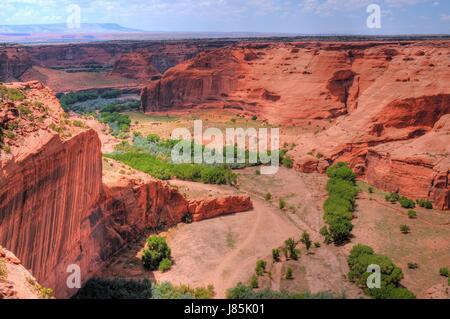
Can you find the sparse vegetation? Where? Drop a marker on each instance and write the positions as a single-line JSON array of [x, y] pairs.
[[413, 266], [412, 214], [306, 240], [282, 203], [276, 254], [425, 203], [260, 267], [3, 270], [254, 282], [156, 251], [242, 292], [361, 257], [339, 207], [290, 249], [98, 288], [405, 229], [289, 274], [444, 272], [11, 94], [268, 197], [166, 290]]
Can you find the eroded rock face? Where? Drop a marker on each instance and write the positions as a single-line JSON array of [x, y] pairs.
[[208, 76], [14, 61]]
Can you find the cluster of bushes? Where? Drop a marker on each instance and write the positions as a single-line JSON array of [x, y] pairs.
[[406, 202], [340, 205], [98, 288], [161, 168], [119, 123], [243, 292], [166, 291], [157, 254], [361, 257], [75, 97]]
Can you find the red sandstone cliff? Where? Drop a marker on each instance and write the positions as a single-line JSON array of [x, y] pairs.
[[14, 61]]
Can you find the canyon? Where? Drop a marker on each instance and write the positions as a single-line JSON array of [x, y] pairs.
[[58, 207], [360, 96], [381, 106]]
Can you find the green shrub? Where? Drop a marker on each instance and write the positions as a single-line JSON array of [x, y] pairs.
[[360, 258], [254, 282], [282, 203], [97, 288], [412, 214], [444, 272], [306, 240], [166, 291], [392, 198], [165, 265], [425, 203], [276, 255], [289, 274], [317, 245], [260, 267], [155, 252], [405, 229], [268, 197], [413, 266], [254, 118], [407, 203], [287, 162], [242, 292]]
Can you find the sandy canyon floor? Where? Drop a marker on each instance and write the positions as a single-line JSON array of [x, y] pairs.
[[223, 251]]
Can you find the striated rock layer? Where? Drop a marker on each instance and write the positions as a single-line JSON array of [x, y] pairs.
[[57, 208], [14, 61]]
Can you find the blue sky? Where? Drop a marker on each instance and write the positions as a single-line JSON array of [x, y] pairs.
[[293, 16]]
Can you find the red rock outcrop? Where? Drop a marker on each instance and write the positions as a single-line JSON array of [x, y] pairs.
[[211, 208], [14, 61], [136, 65], [208, 76], [15, 281]]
